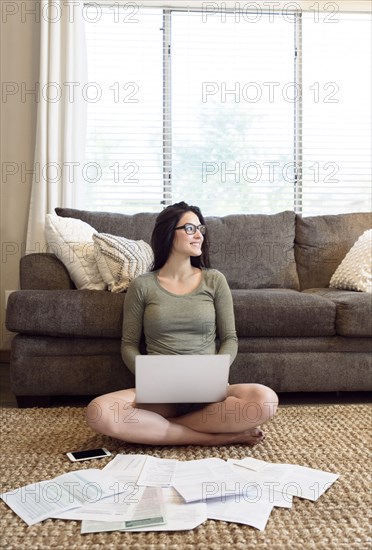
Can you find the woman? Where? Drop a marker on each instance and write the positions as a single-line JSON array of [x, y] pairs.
[[174, 304]]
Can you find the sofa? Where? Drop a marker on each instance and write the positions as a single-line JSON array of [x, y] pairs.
[[295, 332]]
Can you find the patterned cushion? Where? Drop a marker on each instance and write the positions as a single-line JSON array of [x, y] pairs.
[[355, 270], [120, 260], [71, 241]]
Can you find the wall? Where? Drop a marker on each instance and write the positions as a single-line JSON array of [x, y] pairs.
[[19, 70]]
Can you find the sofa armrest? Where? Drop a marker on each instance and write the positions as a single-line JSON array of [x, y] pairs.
[[66, 313], [44, 271]]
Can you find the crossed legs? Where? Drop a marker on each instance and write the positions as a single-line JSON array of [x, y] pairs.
[[234, 420]]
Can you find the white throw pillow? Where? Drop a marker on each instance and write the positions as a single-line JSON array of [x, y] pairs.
[[355, 270], [71, 241], [120, 260]]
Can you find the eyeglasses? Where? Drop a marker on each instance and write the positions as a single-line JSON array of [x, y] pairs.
[[190, 228]]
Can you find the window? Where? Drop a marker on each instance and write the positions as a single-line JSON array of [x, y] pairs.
[[228, 131], [237, 112], [125, 120], [336, 114]]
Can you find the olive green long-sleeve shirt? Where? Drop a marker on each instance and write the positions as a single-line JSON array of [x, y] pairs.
[[178, 324]]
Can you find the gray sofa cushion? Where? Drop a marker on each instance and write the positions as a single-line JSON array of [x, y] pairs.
[[282, 313], [353, 310], [304, 372], [253, 251], [322, 243], [136, 226]]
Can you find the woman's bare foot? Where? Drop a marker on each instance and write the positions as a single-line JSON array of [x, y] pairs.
[[250, 437]]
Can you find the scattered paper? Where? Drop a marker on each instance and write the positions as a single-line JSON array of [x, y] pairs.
[[39, 501], [289, 479], [190, 476], [179, 517], [148, 511], [213, 478], [126, 468], [145, 493], [115, 508], [237, 509], [157, 472]]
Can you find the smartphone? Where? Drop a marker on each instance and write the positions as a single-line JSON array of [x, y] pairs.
[[76, 456]]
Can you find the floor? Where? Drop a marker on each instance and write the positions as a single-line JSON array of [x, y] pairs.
[[8, 400]]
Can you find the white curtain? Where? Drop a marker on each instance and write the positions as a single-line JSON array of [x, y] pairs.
[[61, 118]]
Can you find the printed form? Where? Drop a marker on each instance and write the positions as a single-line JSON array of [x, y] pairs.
[[38, 501]]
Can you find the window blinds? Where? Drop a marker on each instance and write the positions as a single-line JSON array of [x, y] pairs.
[[125, 124], [336, 123], [230, 111], [232, 122]]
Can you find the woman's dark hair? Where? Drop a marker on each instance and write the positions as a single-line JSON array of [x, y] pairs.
[[163, 234]]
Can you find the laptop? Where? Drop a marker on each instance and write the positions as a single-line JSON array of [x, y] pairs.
[[181, 378]]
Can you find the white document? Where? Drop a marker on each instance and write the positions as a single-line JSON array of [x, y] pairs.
[[191, 477], [180, 516], [126, 468], [290, 479], [213, 478], [261, 485], [149, 511], [237, 509], [195, 471], [157, 472], [114, 508], [38, 501]]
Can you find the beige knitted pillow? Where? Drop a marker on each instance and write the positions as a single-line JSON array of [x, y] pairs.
[[120, 260], [355, 270], [71, 241]]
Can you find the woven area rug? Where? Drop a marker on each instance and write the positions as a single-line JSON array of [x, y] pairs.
[[335, 438]]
